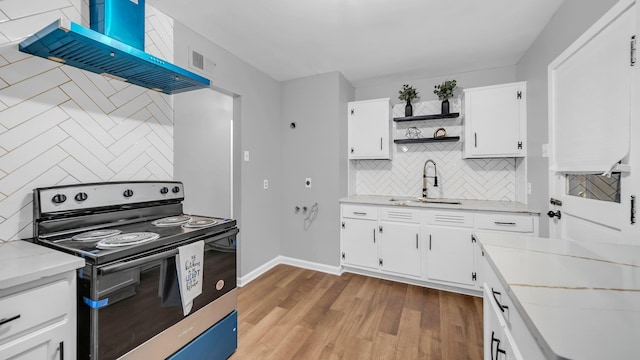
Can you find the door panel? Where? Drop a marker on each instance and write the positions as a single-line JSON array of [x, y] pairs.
[[400, 248]]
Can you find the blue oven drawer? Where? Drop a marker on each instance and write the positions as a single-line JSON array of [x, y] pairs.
[[217, 343]]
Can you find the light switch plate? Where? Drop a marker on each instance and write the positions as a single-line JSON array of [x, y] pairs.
[[266, 184]]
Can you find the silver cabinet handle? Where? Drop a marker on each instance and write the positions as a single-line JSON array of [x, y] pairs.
[[359, 213], [475, 139], [380, 143], [429, 242], [374, 236], [504, 223], [416, 241]]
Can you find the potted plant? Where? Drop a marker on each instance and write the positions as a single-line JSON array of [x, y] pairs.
[[407, 94], [444, 92]]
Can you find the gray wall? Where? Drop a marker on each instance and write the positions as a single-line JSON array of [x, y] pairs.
[[570, 21], [256, 129], [202, 150], [316, 148], [389, 86]]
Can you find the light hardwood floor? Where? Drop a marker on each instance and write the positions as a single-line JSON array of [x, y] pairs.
[[292, 313]]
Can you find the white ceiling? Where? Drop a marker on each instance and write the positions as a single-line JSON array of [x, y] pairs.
[[366, 39]]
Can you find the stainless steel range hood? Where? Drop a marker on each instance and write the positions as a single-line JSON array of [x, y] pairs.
[[114, 47]]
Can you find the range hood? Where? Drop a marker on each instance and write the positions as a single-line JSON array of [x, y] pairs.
[[114, 47]]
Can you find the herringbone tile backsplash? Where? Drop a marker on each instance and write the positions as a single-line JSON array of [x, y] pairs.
[[479, 179], [61, 125]]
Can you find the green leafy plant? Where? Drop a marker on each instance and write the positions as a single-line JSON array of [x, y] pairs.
[[445, 90], [407, 93]]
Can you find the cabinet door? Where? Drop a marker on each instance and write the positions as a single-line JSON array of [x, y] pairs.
[[369, 129], [450, 255], [399, 248], [359, 243], [495, 121], [44, 344]]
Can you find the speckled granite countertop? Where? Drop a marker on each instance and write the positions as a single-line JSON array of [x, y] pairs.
[[481, 205], [22, 262]]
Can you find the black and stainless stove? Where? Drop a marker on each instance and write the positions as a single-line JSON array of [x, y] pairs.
[[128, 295]]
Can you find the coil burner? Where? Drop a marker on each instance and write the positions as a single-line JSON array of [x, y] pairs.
[[95, 235], [126, 240], [200, 223], [172, 221]]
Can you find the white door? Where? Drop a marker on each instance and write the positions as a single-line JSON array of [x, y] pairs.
[[450, 255], [399, 248], [368, 129], [359, 243], [591, 116], [495, 114]]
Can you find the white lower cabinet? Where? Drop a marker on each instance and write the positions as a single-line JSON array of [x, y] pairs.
[[38, 319], [435, 247], [359, 243], [399, 248], [450, 255]]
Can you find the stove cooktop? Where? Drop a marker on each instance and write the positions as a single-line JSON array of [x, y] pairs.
[[167, 236]]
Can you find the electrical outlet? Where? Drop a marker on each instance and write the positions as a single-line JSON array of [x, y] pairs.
[[246, 156], [307, 182], [266, 184]]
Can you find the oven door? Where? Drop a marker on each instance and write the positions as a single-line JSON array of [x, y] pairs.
[[127, 303]]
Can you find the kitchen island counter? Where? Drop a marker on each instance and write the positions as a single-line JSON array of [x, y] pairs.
[[578, 300]]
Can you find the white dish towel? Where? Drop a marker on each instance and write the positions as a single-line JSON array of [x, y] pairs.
[[189, 263]]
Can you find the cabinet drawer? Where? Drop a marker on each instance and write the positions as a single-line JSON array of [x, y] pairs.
[[37, 307], [400, 215], [496, 294], [360, 212], [449, 218], [505, 222]]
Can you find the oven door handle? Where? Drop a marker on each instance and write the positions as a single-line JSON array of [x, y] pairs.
[[163, 255], [133, 263]]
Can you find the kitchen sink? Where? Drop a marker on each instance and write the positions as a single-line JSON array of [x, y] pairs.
[[426, 201]]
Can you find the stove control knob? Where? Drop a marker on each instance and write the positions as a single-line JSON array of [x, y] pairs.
[[128, 193], [176, 189], [164, 190], [81, 196], [59, 198]]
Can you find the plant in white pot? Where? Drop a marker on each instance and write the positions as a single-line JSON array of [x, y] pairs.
[[444, 92], [407, 94]]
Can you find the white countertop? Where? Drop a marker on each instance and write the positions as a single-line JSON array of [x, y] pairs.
[[482, 205], [22, 262], [579, 300]]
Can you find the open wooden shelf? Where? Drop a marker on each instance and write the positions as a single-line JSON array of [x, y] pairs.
[[427, 117], [427, 140]]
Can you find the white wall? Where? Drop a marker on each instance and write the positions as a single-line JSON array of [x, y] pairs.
[[202, 151], [389, 86], [570, 21], [314, 149], [257, 130], [62, 125]]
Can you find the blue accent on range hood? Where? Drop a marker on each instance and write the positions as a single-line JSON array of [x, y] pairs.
[[78, 46]]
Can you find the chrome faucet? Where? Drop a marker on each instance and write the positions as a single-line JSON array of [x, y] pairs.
[[424, 177]]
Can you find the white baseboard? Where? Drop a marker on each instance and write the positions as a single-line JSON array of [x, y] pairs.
[[333, 270], [244, 280]]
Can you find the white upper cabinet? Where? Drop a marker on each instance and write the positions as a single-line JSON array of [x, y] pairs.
[[495, 121], [369, 129]]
